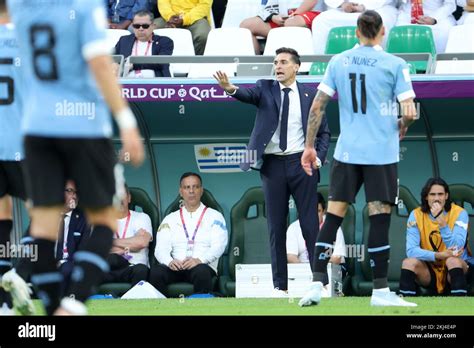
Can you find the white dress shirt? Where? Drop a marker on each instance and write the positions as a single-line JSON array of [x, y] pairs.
[[295, 135], [140, 49], [209, 243]]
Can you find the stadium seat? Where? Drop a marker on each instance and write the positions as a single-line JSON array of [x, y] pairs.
[[348, 228], [341, 39], [183, 288], [249, 242], [463, 194], [224, 42], [297, 38], [461, 39], [139, 199], [183, 46], [362, 281], [114, 35], [412, 39], [237, 10]]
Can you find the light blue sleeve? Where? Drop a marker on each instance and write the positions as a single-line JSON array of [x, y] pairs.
[[92, 31], [413, 242], [403, 87], [328, 84], [456, 237]]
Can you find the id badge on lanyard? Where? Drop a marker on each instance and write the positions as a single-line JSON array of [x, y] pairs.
[[190, 244]]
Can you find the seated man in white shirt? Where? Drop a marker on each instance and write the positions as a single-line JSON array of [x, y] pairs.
[[295, 244], [128, 259], [342, 13], [189, 241], [436, 14]]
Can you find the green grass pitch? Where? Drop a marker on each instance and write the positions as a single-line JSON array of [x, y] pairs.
[[438, 306]]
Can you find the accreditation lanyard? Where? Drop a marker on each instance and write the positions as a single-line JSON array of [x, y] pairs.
[[190, 245], [125, 228], [145, 54]]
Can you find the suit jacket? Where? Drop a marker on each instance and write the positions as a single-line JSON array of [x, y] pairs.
[[266, 95], [162, 45], [78, 232]]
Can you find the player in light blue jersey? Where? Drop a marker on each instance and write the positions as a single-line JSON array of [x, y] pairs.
[[368, 81], [67, 128], [11, 156]]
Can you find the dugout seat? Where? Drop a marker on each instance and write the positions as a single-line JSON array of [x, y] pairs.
[[140, 198], [362, 281], [412, 39], [183, 288], [249, 242], [348, 229], [463, 194]]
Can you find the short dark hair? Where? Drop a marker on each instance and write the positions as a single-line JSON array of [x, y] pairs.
[[425, 208], [321, 200], [3, 5], [143, 13], [369, 23], [187, 174], [294, 54]]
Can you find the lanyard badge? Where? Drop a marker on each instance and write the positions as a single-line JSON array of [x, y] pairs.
[[190, 243]]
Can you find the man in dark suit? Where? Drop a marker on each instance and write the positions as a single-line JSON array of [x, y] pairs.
[[73, 231], [144, 43], [275, 148]]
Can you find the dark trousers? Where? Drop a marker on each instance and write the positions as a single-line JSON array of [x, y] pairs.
[[200, 276], [282, 176], [130, 274]]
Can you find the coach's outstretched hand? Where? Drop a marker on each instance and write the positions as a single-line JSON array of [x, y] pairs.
[[309, 161], [224, 82]]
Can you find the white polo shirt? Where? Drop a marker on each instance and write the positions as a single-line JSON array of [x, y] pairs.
[[137, 221]]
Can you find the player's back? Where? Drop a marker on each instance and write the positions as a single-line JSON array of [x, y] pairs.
[[10, 97], [55, 38], [368, 80]]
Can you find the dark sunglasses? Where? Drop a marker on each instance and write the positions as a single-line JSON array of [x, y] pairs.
[[144, 26]]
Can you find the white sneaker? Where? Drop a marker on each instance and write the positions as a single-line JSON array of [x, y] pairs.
[[19, 291], [389, 298], [277, 293], [4, 310], [313, 295], [70, 306]]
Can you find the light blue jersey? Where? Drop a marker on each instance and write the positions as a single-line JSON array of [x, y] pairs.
[[57, 38], [367, 80], [10, 99]]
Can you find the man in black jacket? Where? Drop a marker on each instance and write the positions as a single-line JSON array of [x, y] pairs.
[[144, 43]]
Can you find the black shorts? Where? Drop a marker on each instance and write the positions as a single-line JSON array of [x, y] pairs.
[[11, 179], [90, 163], [380, 181]]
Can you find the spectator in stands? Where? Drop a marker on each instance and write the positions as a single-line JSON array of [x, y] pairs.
[[73, 230], [144, 43], [437, 249], [437, 14], [128, 259], [189, 241], [120, 12], [344, 13], [296, 247], [296, 13], [468, 6], [193, 15]]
